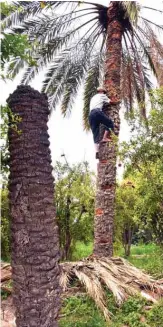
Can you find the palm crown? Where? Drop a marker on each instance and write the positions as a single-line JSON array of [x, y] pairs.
[[71, 42]]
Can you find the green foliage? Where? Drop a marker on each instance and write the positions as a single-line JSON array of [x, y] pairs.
[[74, 198], [81, 312], [12, 120], [82, 250], [152, 263], [5, 225], [155, 316], [14, 46], [130, 313], [6, 9], [143, 155], [125, 224], [144, 249]]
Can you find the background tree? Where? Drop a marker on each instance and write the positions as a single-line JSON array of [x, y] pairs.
[[144, 158], [76, 44], [125, 218], [74, 194], [5, 226], [14, 46]]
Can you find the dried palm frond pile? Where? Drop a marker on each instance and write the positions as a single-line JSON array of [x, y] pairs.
[[93, 275], [120, 277]]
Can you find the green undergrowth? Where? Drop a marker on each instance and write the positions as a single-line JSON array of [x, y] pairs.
[[82, 312], [82, 250], [148, 257]]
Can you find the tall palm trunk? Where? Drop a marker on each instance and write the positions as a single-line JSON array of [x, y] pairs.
[[35, 249], [105, 196]]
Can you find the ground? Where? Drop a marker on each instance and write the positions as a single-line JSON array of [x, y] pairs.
[[135, 312]]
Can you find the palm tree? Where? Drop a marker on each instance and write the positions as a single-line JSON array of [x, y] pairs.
[[35, 246], [83, 42]]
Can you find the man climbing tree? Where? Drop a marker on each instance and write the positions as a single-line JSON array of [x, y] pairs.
[[98, 117]]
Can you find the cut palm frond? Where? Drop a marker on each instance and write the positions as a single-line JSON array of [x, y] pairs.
[[95, 275], [116, 274]]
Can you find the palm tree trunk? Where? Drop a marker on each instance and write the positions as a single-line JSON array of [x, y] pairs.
[[35, 247], [105, 196]]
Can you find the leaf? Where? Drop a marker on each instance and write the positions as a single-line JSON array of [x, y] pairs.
[[42, 4]]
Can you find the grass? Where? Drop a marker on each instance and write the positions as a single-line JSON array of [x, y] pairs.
[[82, 312], [82, 250]]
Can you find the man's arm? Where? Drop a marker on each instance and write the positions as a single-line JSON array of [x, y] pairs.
[[105, 98]]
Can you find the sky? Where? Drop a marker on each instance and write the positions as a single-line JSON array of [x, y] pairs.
[[66, 134]]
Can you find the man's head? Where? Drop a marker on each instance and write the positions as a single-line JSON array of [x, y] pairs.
[[101, 89]]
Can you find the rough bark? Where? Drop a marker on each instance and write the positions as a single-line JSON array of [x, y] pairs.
[[34, 235], [127, 239], [105, 195], [67, 231]]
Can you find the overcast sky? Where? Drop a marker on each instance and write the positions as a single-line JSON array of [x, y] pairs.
[[66, 134]]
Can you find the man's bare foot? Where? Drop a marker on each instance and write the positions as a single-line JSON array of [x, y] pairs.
[[106, 140]]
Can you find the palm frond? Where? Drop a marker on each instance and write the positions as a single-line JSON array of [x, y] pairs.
[[152, 23], [132, 9], [22, 11], [26, 9], [153, 40], [118, 276], [49, 50], [134, 76], [59, 41], [64, 77], [91, 84], [74, 78], [15, 66], [94, 289], [153, 9], [144, 48], [68, 71]]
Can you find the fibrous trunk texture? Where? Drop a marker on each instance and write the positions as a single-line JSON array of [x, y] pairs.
[[35, 246], [105, 196]]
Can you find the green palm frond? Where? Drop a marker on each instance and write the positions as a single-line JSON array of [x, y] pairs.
[[134, 77], [22, 11], [15, 66], [51, 42], [68, 39], [67, 72], [91, 84]]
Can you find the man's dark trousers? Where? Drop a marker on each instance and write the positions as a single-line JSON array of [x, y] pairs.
[[97, 117]]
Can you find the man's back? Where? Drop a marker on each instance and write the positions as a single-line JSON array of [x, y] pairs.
[[98, 101]]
